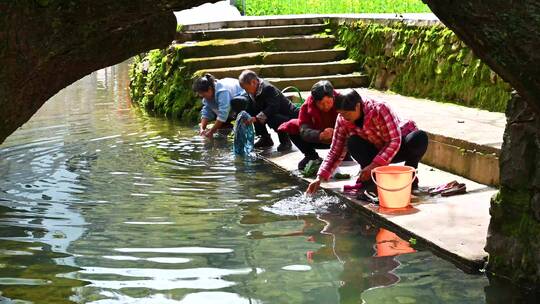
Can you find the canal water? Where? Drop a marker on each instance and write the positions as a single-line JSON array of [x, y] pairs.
[[102, 203]]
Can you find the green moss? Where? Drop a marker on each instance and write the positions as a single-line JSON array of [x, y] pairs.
[[518, 221], [512, 221], [159, 81], [427, 61]]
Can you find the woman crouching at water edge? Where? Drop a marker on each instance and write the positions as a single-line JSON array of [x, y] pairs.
[[374, 136], [216, 97], [314, 127]]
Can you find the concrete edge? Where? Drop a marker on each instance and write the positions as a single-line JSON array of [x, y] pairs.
[[426, 19], [468, 266], [472, 164]]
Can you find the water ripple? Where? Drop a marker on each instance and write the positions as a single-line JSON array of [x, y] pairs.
[[191, 250]]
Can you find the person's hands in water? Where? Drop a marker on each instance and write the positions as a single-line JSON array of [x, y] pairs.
[[207, 133], [314, 186], [326, 135], [365, 173], [202, 131]]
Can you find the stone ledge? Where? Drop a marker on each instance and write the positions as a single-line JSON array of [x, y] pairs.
[[454, 228], [283, 20]]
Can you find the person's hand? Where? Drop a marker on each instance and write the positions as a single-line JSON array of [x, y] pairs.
[[314, 186], [250, 121], [326, 135], [208, 133], [201, 131], [365, 174]]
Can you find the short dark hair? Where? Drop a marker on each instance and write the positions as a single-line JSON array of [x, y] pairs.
[[347, 101], [204, 83], [247, 76], [322, 89]]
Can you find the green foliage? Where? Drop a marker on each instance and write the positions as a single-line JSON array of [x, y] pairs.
[[160, 81], [286, 7], [312, 167], [423, 61], [342, 176]]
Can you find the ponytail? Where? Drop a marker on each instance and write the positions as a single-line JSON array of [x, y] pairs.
[[204, 83]]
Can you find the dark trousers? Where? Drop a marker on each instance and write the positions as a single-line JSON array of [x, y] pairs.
[[308, 148], [413, 147], [273, 122], [244, 103]]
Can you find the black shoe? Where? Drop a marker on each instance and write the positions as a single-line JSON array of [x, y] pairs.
[[284, 147], [302, 164], [414, 185], [264, 142], [369, 186], [284, 142]]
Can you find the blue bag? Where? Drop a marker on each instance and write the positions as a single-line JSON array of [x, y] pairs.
[[244, 135]]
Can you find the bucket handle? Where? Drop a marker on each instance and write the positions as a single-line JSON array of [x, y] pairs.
[[393, 190]]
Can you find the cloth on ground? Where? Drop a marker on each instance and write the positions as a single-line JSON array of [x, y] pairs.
[[244, 135]]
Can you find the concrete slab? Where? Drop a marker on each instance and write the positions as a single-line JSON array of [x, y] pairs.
[[250, 32], [479, 127], [224, 47], [455, 227]]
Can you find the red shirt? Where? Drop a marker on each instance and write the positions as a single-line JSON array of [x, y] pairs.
[[381, 127], [315, 118]]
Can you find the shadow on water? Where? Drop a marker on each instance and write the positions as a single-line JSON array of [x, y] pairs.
[[102, 203]]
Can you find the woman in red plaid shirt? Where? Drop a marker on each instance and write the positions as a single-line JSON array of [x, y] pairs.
[[374, 136]]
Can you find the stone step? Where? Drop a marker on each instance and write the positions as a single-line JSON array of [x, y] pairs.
[[352, 80], [266, 58], [250, 45], [256, 22], [287, 70], [250, 32]]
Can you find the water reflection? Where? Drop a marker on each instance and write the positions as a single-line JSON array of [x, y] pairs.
[[101, 203]]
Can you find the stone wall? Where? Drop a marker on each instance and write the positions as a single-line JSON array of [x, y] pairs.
[[504, 34], [514, 231], [424, 60]]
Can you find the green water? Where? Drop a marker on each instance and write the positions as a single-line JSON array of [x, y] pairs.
[[100, 203]]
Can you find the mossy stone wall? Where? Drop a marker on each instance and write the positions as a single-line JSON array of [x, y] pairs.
[[427, 61], [161, 82], [513, 241]]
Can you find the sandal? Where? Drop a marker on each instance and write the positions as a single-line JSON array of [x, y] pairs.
[[441, 188], [456, 189], [368, 196]]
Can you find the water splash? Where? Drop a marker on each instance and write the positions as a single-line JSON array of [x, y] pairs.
[[301, 204]]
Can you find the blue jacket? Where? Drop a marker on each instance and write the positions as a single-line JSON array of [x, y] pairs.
[[220, 107]]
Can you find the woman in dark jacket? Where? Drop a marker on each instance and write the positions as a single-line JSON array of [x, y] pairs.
[[315, 124]]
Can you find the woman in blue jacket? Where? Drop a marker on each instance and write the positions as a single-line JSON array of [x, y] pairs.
[[216, 97]]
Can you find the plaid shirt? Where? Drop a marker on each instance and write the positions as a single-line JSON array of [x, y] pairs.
[[381, 127]]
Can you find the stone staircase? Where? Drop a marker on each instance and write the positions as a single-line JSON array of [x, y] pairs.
[[287, 52]]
